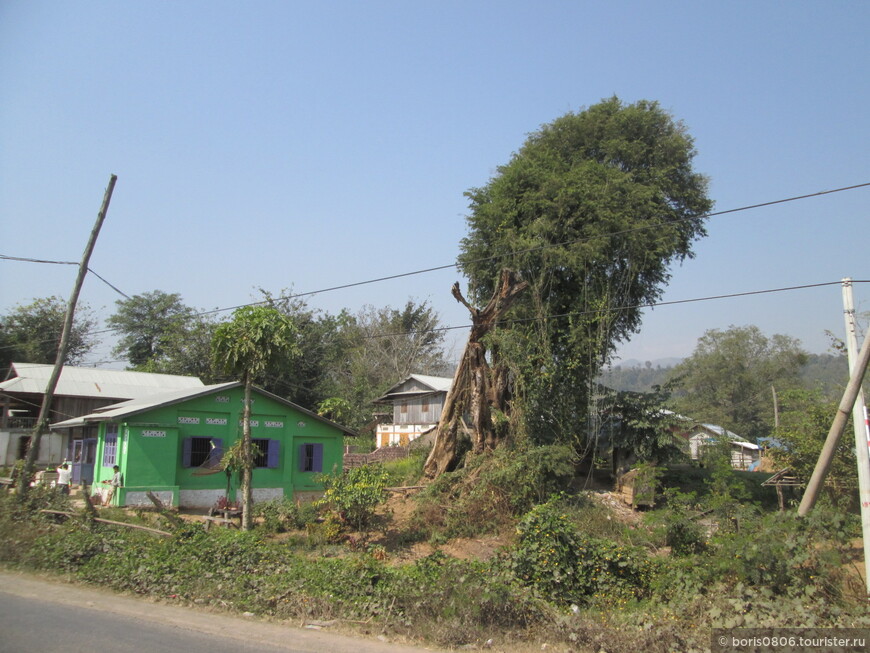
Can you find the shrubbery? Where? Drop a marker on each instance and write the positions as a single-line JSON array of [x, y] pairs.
[[564, 565], [355, 494], [570, 573]]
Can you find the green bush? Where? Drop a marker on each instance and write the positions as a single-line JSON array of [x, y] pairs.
[[279, 515], [679, 519], [406, 471], [566, 566], [355, 494]]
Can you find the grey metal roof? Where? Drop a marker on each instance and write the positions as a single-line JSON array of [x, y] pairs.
[[723, 432], [32, 378], [118, 412], [435, 383], [134, 406]]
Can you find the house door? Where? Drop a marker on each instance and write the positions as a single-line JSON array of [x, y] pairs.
[[83, 454]]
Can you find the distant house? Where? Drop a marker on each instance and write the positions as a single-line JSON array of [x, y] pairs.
[[171, 444], [416, 403], [743, 454], [79, 391]]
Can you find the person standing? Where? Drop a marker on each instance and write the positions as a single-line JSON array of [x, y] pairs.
[[64, 474], [114, 484]]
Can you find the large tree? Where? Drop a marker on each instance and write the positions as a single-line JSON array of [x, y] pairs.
[[347, 360], [731, 377], [304, 379], [185, 349], [254, 339], [30, 333], [402, 341], [591, 212], [146, 324]]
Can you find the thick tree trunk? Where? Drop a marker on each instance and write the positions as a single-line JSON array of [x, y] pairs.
[[473, 392]]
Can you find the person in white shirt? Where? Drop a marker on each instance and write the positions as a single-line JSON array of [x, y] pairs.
[[64, 474], [114, 484]]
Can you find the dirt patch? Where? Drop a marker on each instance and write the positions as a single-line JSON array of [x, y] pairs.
[[394, 531]]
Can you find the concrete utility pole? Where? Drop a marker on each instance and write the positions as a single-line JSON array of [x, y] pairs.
[[860, 425], [42, 420], [837, 428]]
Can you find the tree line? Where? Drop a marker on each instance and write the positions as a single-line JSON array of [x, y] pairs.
[[585, 221], [336, 364]]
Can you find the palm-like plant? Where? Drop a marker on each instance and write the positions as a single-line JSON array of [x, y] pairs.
[[255, 338]]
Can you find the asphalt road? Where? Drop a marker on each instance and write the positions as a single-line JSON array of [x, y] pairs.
[[48, 616]]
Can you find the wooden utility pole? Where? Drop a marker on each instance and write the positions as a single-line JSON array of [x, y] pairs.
[[42, 420], [814, 487]]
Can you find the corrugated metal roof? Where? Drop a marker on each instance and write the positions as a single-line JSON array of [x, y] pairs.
[[117, 412], [723, 432], [33, 378], [142, 404], [435, 383]]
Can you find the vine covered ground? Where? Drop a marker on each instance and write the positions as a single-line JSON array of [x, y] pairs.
[[495, 556]]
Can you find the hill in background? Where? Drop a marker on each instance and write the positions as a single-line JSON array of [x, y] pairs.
[[825, 371]]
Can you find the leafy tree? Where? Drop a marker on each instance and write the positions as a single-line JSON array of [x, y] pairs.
[[186, 350], [402, 341], [305, 379], [592, 211], [378, 347], [345, 361], [728, 378], [255, 338], [639, 425], [31, 333], [805, 419], [147, 324]]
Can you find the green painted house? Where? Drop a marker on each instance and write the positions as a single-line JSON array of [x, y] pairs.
[[171, 444]]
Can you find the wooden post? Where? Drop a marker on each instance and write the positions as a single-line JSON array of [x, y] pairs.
[[42, 420]]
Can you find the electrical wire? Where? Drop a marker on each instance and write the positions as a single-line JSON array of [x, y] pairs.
[[514, 253], [37, 260]]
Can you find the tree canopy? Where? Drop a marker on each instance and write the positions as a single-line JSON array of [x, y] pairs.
[[31, 333], [591, 211], [728, 379], [148, 323], [347, 360]]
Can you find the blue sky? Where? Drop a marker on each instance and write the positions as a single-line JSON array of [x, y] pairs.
[[315, 144]]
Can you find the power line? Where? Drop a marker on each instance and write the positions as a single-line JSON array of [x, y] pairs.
[[543, 247], [488, 258], [37, 260], [708, 298], [638, 306], [514, 253]]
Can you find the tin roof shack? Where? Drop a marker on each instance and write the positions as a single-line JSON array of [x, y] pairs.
[[417, 404], [79, 391], [171, 444], [744, 455]]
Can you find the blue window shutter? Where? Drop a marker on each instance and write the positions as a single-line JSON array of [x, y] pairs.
[[317, 465], [185, 451], [272, 454]]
